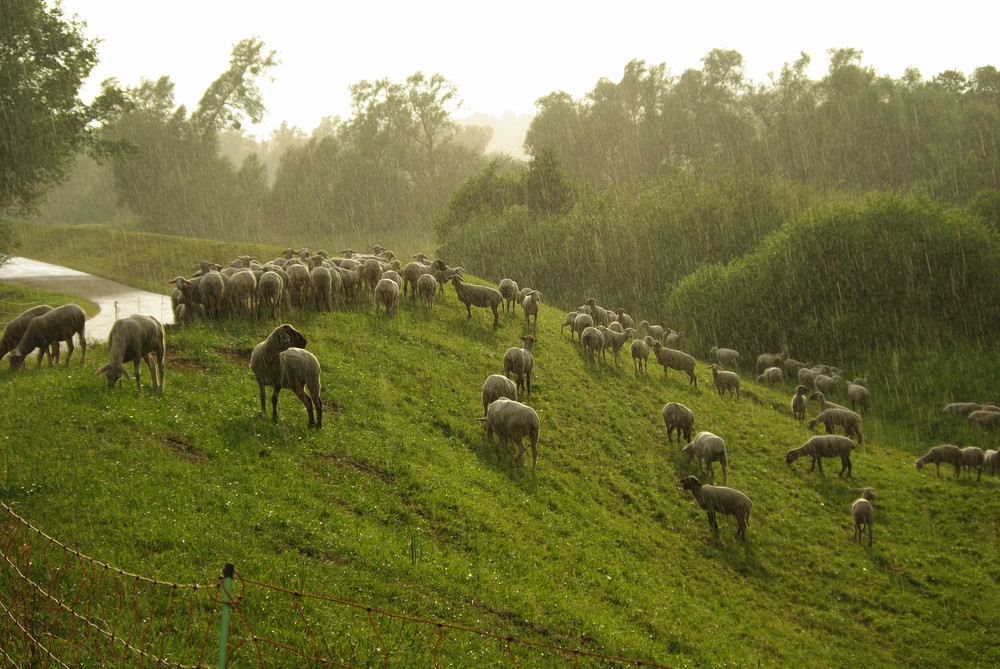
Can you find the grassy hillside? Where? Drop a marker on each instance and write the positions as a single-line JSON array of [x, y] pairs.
[[400, 503]]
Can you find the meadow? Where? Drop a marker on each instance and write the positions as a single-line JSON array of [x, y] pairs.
[[399, 502]]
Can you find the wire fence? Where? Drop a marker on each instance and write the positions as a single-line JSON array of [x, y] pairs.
[[61, 608]]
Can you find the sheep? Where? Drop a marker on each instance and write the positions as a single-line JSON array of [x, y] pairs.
[[771, 376], [212, 293], [592, 341], [270, 290], [673, 359], [945, 453], [570, 318], [281, 361], [717, 499], [973, 456], [581, 323], [859, 396], [624, 318], [426, 289], [850, 421], [479, 296], [134, 339], [985, 419], [386, 295], [52, 327], [820, 399], [640, 353], [600, 314], [991, 461], [708, 448], [724, 380], [241, 292], [14, 331], [411, 273], [371, 274], [509, 290], [615, 326], [520, 361], [791, 368], [495, 387], [726, 357], [615, 340], [806, 376], [678, 417], [863, 515], [962, 408], [530, 307], [824, 446], [826, 384], [512, 421], [799, 403], [673, 339], [654, 331], [765, 360]]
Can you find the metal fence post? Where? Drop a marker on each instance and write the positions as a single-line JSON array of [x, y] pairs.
[[227, 598]]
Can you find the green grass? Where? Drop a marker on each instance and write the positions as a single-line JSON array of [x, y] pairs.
[[15, 299], [400, 503]]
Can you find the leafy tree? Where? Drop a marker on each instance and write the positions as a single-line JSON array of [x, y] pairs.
[[235, 94]]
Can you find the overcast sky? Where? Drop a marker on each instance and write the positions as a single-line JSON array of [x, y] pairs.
[[505, 55]]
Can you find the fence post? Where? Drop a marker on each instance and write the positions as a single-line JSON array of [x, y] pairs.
[[227, 586]]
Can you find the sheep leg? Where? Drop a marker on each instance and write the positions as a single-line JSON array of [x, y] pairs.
[[160, 370], [263, 397], [274, 401], [69, 353], [711, 520], [496, 316], [83, 348], [306, 401], [845, 465], [135, 370]]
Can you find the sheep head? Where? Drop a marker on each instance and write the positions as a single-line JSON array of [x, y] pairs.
[[287, 337], [690, 483], [791, 456], [113, 373]]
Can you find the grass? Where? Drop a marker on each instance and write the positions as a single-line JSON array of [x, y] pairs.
[[400, 503]]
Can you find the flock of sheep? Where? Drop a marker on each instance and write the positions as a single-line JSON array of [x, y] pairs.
[[307, 280]]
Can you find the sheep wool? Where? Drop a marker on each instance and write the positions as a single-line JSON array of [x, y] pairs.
[[824, 446], [943, 454], [52, 327], [472, 295], [520, 362], [718, 499], [850, 421], [708, 448], [495, 387], [281, 362], [16, 327], [863, 515], [133, 339], [725, 381], [678, 417], [512, 421]]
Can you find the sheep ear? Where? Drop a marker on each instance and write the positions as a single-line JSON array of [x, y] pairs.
[[101, 370]]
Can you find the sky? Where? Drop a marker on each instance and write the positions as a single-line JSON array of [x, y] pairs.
[[503, 56]]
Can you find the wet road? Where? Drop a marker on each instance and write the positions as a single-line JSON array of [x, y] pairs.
[[116, 300]]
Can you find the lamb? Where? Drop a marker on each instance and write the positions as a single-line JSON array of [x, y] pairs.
[[863, 515], [425, 289], [495, 387], [640, 353], [512, 421], [678, 417], [673, 359], [985, 419], [530, 307], [945, 453], [15, 329], [824, 446], [859, 396], [282, 362], [386, 295], [725, 380], [592, 340], [807, 376], [765, 360], [991, 461], [52, 327], [509, 290], [771, 376], [479, 296], [726, 357], [799, 403], [717, 499], [520, 361], [850, 421], [615, 340], [820, 399], [708, 448], [134, 339], [973, 456]]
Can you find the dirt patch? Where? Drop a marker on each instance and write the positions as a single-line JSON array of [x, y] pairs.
[[235, 355], [184, 448]]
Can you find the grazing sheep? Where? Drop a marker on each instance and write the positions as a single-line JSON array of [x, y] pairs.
[[393, 275], [863, 514], [962, 408], [708, 448], [520, 361], [991, 461], [727, 357], [678, 417], [824, 446], [717, 499], [945, 453], [581, 323], [672, 359], [807, 376], [425, 289], [724, 380], [479, 296], [615, 340], [640, 353], [530, 307], [820, 399], [859, 396], [495, 387], [771, 376], [850, 421], [270, 289], [15, 329], [765, 360], [973, 456], [791, 368], [799, 403], [386, 295], [52, 327], [509, 290], [512, 421], [826, 384], [592, 340], [985, 419], [134, 339], [281, 362], [570, 318]]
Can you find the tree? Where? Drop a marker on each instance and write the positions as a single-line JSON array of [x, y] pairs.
[[235, 95], [44, 59]]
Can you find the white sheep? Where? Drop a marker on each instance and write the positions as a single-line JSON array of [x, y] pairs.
[[472, 295], [570, 318], [52, 327], [270, 294], [425, 289], [962, 408], [592, 341], [640, 353], [973, 457], [791, 368], [134, 339], [581, 323], [673, 339], [859, 395], [512, 421], [495, 387], [615, 340], [672, 359], [411, 273], [765, 360], [386, 295], [991, 461], [771, 376], [724, 380], [807, 376], [600, 314], [945, 453], [15, 329], [509, 290], [530, 307], [985, 419], [799, 403], [624, 318], [727, 357], [824, 446], [678, 417], [240, 292], [717, 499], [654, 331], [708, 448], [281, 362], [850, 421], [863, 515], [826, 384], [371, 274], [520, 362], [821, 400]]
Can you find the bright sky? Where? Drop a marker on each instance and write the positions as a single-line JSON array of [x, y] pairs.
[[505, 55]]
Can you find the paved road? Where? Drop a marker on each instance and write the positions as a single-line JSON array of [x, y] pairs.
[[115, 299]]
